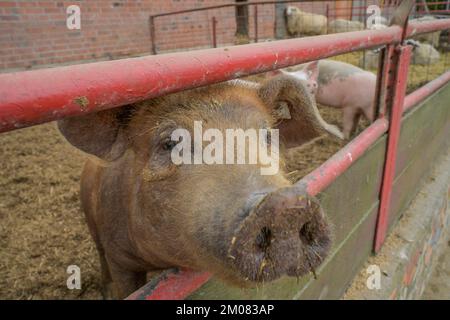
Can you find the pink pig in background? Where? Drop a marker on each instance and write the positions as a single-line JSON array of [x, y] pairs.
[[341, 85]]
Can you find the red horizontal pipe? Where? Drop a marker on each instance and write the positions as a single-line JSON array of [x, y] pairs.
[[425, 91], [173, 285], [33, 97], [396, 110], [415, 27], [323, 176]]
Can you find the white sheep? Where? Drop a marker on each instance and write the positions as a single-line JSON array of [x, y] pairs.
[[305, 23], [425, 54]]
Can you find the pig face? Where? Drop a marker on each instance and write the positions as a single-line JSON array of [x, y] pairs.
[[308, 74], [227, 219]]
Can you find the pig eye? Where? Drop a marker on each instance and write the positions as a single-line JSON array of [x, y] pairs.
[[169, 145]]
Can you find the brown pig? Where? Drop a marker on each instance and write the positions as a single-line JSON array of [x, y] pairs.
[[146, 213]]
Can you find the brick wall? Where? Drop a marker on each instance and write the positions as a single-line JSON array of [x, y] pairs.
[[33, 33]]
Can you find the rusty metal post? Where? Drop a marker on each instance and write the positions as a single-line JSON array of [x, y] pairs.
[[256, 22], [214, 32], [327, 14], [152, 34], [384, 79], [391, 89], [402, 56]]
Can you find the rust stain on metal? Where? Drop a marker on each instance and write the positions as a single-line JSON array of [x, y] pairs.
[[82, 101]]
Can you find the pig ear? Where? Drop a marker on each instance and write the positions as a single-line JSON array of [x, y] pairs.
[[312, 70], [294, 111], [101, 134]]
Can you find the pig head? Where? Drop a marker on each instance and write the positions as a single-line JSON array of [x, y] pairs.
[[146, 213]]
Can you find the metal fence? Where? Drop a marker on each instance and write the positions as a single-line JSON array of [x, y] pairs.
[[219, 25]]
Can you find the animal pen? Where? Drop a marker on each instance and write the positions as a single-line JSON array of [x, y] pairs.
[[383, 165]]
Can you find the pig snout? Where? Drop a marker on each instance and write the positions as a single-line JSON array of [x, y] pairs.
[[284, 234]]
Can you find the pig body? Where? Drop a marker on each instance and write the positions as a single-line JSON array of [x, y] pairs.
[[341, 85], [147, 213]]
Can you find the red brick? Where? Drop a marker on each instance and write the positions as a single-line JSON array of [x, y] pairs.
[[37, 32]]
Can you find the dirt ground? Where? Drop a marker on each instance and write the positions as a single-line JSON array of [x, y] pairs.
[[42, 229]]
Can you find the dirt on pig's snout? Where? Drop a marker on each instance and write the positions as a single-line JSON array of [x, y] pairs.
[[42, 228]]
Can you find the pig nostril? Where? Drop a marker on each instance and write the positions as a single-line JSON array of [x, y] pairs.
[[306, 233], [264, 238]]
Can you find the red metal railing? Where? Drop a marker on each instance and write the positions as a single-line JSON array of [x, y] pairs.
[[33, 97], [214, 19]]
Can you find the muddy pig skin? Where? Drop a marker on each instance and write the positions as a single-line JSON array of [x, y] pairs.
[[341, 85], [147, 213]]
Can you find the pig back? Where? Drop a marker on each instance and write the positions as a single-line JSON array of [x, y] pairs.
[[342, 84]]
